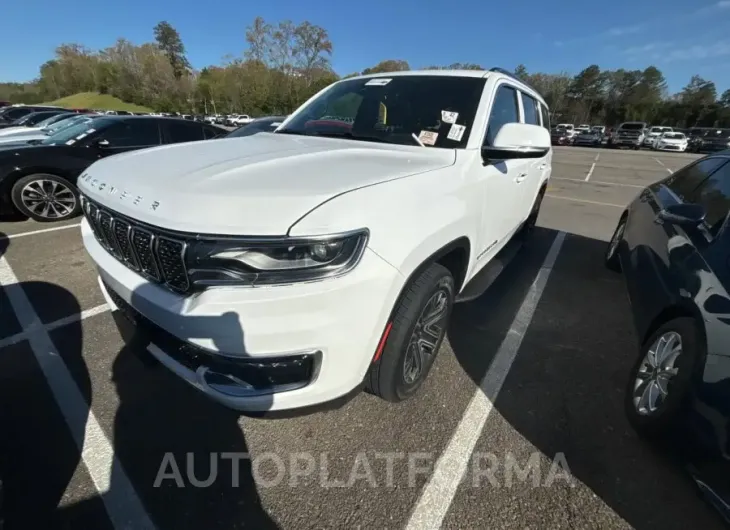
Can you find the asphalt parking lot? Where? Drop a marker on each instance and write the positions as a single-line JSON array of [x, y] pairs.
[[92, 435]]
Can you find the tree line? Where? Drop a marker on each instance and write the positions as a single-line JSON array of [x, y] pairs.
[[285, 63]]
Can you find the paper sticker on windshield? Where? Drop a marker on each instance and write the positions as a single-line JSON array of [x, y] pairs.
[[428, 137], [83, 135], [449, 117], [456, 132], [378, 81], [71, 142]]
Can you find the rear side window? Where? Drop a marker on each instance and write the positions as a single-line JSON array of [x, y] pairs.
[[504, 110], [684, 182], [178, 131], [529, 105], [133, 133], [545, 117]]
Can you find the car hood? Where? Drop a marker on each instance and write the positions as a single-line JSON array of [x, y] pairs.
[[256, 185]]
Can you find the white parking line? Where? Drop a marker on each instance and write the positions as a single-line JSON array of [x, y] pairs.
[[122, 503], [597, 157], [43, 231], [439, 492], [662, 164], [599, 182], [583, 200], [590, 171], [65, 321]]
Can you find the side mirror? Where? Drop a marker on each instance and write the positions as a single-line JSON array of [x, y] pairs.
[[683, 214], [518, 140]]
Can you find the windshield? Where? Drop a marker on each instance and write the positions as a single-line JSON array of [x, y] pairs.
[[438, 110], [53, 119], [70, 135], [65, 123], [673, 136], [633, 127]]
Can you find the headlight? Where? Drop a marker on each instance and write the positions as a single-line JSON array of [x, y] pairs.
[[261, 261]]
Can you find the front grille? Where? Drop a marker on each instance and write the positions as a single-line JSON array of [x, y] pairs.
[[141, 248]]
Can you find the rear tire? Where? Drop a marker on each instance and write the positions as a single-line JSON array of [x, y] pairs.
[[417, 329], [46, 198], [655, 399]]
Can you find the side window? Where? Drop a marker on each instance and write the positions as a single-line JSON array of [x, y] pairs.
[[684, 181], [212, 132], [545, 116], [529, 105], [504, 110], [133, 133], [714, 195], [179, 131]]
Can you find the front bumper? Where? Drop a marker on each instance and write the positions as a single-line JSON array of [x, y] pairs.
[[213, 338], [628, 141], [671, 147]]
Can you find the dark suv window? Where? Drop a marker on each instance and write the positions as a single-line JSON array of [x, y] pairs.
[[212, 132], [714, 195], [133, 133], [180, 131], [529, 105], [504, 110], [684, 182]]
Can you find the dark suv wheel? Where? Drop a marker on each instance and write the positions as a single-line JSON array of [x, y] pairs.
[[413, 336], [44, 197]]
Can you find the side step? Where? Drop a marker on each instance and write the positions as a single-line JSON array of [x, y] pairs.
[[485, 277]]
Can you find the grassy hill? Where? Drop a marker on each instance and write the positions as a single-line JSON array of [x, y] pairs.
[[94, 100]]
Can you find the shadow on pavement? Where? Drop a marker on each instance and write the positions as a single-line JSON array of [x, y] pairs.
[[564, 392], [4, 243], [169, 439]]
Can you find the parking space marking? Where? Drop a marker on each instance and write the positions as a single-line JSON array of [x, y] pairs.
[[584, 200], [590, 171], [662, 164], [65, 321], [43, 231], [438, 493], [597, 157], [599, 182], [122, 504]]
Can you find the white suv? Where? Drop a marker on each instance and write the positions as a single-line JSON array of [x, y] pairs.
[[288, 268]]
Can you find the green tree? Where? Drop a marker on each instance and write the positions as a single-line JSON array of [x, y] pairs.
[[169, 41], [389, 65]]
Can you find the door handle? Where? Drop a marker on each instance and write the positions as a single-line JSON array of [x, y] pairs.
[[519, 178], [542, 166]]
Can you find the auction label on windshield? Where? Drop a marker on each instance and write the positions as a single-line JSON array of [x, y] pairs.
[[428, 137], [456, 132], [448, 116], [378, 81]]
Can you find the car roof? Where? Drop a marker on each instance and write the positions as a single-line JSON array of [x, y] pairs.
[[453, 73]]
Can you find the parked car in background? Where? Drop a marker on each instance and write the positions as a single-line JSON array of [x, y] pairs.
[[711, 141], [629, 134], [601, 129], [582, 128], [672, 244], [592, 138], [560, 136], [29, 120], [653, 133], [30, 123], [33, 133], [670, 141], [241, 119], [568, 128], [15, 112], [49, 193], [267, 124], [325, 226]]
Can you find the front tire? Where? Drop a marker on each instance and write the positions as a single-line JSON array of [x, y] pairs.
[[417, 329], [661, 380], [46, 198]]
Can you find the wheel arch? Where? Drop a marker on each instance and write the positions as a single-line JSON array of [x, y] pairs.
[[681, 309]]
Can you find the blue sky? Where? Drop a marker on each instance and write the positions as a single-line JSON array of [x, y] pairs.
[[681, 37]]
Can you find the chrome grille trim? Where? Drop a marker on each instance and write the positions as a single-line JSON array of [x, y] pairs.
[[138, 247]]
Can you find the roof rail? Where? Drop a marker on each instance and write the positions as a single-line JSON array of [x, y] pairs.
[[509, 74]]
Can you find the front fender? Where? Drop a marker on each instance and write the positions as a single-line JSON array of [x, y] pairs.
[[409, 219]]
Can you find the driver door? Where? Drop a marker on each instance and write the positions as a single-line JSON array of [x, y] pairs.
[[501, 183], [128, 135]]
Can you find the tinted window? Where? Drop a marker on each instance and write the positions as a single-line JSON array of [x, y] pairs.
[[545, 117], [212, 132], [529, 105], [17, 112], [684, 181], [132, 133], [504, 110], [179, 131], [714, 195]]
